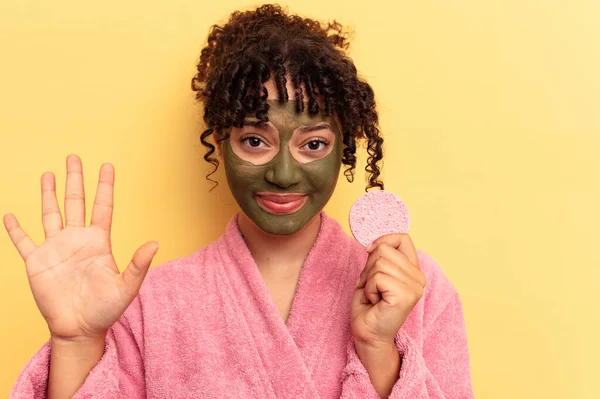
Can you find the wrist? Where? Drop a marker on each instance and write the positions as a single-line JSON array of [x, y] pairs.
[[374, 345], [80, 347], [378, 350], [80, 339], [71, 361]]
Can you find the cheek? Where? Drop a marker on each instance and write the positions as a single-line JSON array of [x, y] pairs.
[[240, 173], [247, 174], [323, 174]]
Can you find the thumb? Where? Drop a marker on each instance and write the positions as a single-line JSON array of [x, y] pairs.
[[138, 267]]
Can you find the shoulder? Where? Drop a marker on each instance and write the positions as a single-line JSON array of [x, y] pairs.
[[437, 281], [439, 293], [438, 285]]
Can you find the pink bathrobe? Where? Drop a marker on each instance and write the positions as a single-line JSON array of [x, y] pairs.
[[205, 326]]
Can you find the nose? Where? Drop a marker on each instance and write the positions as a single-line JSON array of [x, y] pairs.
[[283, 170]]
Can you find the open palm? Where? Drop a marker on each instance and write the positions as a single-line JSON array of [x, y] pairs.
[[73, 275]]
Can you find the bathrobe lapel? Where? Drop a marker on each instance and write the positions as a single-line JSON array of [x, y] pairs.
[[289, 352]]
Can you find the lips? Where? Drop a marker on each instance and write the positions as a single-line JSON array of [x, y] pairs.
[[281, 204]]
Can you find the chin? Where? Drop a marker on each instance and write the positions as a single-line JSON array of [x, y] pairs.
[[284, 225], [282, 229]]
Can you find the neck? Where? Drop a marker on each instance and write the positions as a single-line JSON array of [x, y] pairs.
[[279, 255]]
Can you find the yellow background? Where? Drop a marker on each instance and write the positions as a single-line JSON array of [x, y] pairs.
[[491, 115]]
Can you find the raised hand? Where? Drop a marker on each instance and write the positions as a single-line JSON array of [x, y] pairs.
[[73, 275], [389, 287]]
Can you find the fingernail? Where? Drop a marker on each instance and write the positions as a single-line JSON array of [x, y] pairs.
[[370, 247]]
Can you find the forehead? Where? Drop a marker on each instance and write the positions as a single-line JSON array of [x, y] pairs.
[[285, 114]]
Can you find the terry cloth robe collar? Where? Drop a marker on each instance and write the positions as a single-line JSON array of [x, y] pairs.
[[292, 348]]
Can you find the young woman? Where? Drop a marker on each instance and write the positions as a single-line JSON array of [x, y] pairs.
[[284, 304]]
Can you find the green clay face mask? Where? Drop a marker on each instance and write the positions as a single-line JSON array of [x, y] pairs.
[[283, 173]]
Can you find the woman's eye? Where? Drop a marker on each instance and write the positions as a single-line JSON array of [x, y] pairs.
[[314, 145], [253, 142]]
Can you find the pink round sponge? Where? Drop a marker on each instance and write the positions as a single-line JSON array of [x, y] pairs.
[[376, 214]]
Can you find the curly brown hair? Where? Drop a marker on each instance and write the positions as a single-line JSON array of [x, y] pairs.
[[253, 46]]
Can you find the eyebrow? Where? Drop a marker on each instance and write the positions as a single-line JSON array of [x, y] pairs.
[[310, 129], [257, 124], [302, 129]]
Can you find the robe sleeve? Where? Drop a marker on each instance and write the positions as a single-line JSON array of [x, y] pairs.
[[118, 374], [438, 370]]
